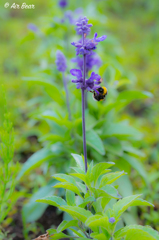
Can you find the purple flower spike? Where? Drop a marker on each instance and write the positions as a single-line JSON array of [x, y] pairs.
[[69, 15], [32, 27], [83, 26], [88, 45], [60, 61], [91, 61], [63, 3], [85, 47], [112, 220]]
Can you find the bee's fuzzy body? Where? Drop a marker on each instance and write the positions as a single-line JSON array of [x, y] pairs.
[[102, 94]]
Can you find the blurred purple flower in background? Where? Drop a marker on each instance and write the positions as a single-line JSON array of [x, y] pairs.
[[32, 27], [63, 3], [61, 66], [60, 61], [72, 16], [68, 16], [112, 220]]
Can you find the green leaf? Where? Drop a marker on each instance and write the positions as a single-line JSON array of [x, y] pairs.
[[79, 161], [35, 160], [106, 191], [53, 200], [50, 88], [141, 202], [97, 221], [130, 95], [114, 147], [125, 186], [69, 186], [121, 130], [97, 205], [77, 212], [98, 170], [95, 142], [103, 68], [123, 204], [89, 171], [99, 236], [78, 170], [137, 232], [83, 238], [57, 236], [67, 224], [70, 198], [110, 178], [129, 218], [80, 176], [33, 210], [87, 201], [78, 233], [134, 162], [61, 122], [133, 150], [64, 178], [82, 187], [53, 138], [122, 82]]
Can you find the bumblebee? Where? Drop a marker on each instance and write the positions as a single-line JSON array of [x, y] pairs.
[[102, 94]]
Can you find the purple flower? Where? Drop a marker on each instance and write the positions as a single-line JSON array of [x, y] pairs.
[[32, 27], [112, 220], [78, 11], [69, 15], [91, 84], [91, 60], [100, 39], [63, 3], [78, 74], [60, 61], [88, 45], [83, 26]]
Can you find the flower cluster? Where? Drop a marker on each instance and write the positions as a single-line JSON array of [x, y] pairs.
[[68, 15], [71, 16], [85, 47], [91, 83], [63, 3], [60, 61], [91, 61], [88, 46], [83, 26]]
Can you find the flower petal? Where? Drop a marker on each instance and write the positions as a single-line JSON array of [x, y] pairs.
[[76, 72], [95, 35], [100, 39]]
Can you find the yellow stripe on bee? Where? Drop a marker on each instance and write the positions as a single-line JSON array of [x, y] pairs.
[[105, 90]]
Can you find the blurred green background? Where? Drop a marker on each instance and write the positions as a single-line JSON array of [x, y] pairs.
[[132, 44]]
